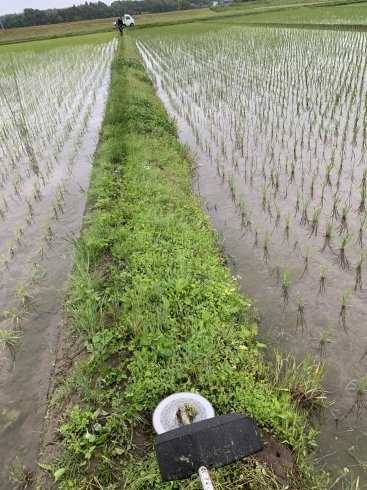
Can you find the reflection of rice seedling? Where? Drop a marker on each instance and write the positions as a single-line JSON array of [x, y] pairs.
[[341, 259], [266, 255], [285, 286], [304, 218], [276, 184], [256, 241], [264, 198], [306, 257], [301, 305], [314, 222], [287, 226], [298, 197], [277, 220], [365, 350], [345, 296], [358, 276], [269, 201], [343, 219], [9, 340], [360, 231]]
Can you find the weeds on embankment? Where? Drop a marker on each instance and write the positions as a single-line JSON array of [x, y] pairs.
[[158, 313]]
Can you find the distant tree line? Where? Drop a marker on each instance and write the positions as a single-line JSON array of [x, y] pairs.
[[95, 10]]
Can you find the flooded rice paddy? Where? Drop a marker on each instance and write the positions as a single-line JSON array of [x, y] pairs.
[[277, 119], [51, 108]]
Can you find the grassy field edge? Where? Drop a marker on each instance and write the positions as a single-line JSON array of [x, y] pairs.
[[151, 310]]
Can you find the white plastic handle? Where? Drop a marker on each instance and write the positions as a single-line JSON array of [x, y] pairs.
[[205, 478]]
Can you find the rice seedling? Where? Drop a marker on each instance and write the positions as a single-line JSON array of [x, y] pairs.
[[301, 305], [327, 237], [362, 204], [9, 340], [248, 222], [286, 278], [335, 212], [20, 474], [342, 315], [322, 280], [276, 270], [26, 300], [266, 255], [314, 222], [304, 218], [359, 387], [14, 317], [5, 259], [292, 179], [287, 226], [306, 258], [341, 259], [312, 185], [242, 209], [327, 175], [48, 233], [324, 339], [343, 226]]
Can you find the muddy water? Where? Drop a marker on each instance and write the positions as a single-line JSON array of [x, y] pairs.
[[24, 379], [339, 440]]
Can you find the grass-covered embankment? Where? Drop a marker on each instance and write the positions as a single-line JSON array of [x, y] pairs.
[[157, 312]]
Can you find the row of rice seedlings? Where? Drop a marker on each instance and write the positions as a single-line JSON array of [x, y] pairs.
[[22, 104], [68, 128], [57, 201]]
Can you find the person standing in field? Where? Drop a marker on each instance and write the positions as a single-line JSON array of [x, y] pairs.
[[120, 25]]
